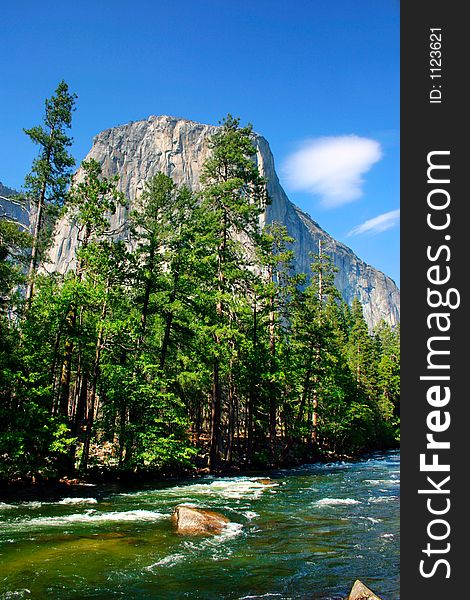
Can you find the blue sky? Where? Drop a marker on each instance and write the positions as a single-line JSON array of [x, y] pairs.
[[319, 79]]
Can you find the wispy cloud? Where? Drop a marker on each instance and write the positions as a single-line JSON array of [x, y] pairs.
[[332, 167], [377, 224]]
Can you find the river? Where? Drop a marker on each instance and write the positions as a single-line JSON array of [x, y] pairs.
[[307, 533]]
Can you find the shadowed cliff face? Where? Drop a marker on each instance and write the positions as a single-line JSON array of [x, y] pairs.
[[12, 210], [178, 148]]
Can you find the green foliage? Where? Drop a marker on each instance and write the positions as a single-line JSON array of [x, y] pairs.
[[51, 170], [13, 245], [194, 345], [93, 199], [46, 184]]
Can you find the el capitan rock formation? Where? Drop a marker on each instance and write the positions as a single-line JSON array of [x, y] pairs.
[[178, 147]]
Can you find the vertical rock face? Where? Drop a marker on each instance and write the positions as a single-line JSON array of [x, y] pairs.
[[11, 209], [178, 148]]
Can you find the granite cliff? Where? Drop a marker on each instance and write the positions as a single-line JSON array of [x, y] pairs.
[[178, 148], [10, 208]]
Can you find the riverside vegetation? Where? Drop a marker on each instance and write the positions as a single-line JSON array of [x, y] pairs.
[[189, 344]]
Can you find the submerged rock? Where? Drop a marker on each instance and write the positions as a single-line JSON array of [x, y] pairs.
[[360, 591], [190, 520]]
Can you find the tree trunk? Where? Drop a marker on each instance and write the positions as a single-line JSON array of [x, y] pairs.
[[304, 397], [71, 321], [169, 322], [67, 365], [33, 263], [55, 378], [81, 405], [94, 384], [216, 403], [231, 419], [272, 352], [252, 393], [92, 402], [249, 428], [216, 409], [122, 433]]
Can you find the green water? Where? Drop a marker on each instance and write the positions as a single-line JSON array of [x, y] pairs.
[[308, 533]]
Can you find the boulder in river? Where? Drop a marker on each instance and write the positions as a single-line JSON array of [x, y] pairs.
[[360, 591], [191, 520]]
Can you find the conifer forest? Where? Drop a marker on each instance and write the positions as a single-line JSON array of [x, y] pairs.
[[188, 342]]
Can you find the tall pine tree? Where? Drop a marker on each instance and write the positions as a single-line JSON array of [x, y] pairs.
[[235, 193], [47, 183]]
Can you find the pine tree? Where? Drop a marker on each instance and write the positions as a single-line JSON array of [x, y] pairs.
[[160, 224], [47, 183], [313, 342], [90, 203], [235, 194], [388, 372], [361, 350], [277, 286]]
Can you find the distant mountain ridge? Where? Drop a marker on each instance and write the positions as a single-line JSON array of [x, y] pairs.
[[6, 191]]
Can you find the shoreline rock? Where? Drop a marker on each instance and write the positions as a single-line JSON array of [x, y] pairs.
[[359, 591]]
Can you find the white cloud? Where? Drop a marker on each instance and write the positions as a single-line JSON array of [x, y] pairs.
[[332, 167], [377, 224]]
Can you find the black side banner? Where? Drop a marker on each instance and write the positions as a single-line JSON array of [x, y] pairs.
[[434, 255]]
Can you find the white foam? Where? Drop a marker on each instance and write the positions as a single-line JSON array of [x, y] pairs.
[[380, 499], [336, 501], [230, 531], [33, 504], [382, 481], [78, 501], [169, 561], [36, 504], [234, 488], [16, 594], [249, 514], [371, 519], [216, 544], [338, 465], [267, 595], [91, 516]]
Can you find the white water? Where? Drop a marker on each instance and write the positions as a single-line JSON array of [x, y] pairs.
[[301, 534]]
